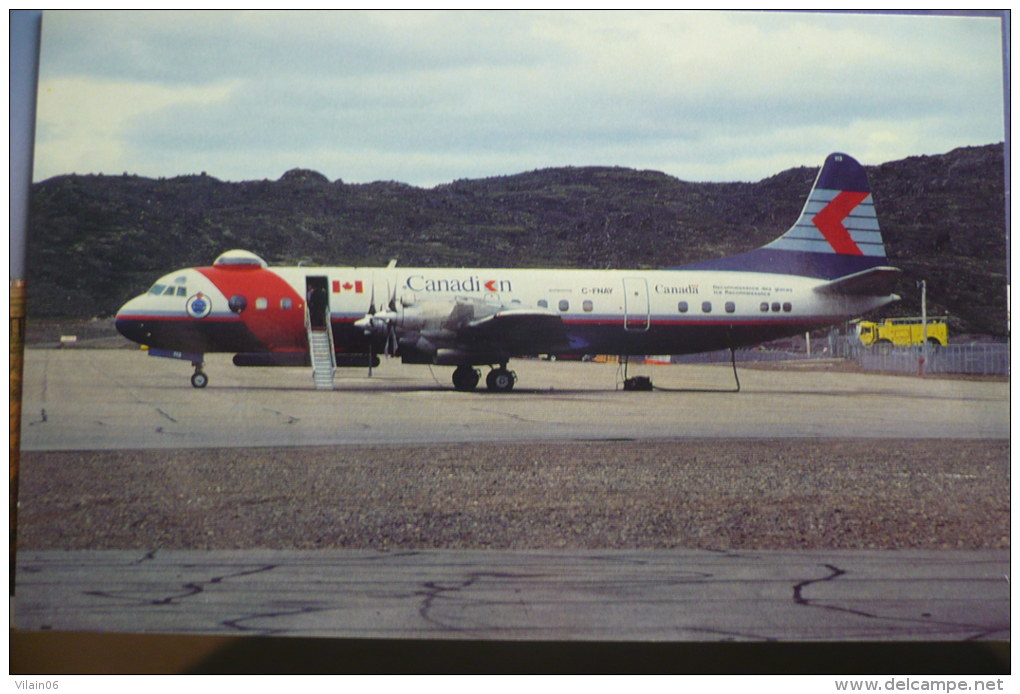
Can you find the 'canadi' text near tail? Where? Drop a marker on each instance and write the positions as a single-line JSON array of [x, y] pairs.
[[829, 267]]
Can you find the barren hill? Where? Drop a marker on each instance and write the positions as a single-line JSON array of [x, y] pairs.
[[96, 240]]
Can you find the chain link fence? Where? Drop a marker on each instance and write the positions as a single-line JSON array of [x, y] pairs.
[[988, 359]]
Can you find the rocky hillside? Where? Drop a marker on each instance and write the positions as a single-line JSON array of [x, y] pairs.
[[95, 241]]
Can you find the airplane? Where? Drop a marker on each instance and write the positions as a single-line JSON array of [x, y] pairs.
[[830, 266]]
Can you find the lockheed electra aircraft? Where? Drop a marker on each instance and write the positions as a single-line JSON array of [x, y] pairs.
[[830, 266]]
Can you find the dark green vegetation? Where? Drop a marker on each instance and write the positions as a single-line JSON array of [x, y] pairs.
[[96, 241]]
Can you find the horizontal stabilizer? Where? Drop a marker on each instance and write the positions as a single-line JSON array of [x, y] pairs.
[[877, 281]]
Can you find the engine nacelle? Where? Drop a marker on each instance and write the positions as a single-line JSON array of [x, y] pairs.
[[424, 316], [426, 332], [415, 349]]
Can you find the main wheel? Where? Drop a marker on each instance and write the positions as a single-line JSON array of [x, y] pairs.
[[465, 377], [199, 379], [500, 380]]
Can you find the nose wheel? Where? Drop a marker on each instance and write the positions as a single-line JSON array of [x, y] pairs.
[[199, 379]]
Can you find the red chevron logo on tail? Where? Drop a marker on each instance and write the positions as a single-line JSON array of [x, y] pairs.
[[830, 221]]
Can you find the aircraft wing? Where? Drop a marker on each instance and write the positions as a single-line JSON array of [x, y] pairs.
[[517, 330], [877, 281]]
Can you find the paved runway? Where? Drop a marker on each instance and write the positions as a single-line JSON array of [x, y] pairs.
[[118, 399], [529, 595], [101, 399]]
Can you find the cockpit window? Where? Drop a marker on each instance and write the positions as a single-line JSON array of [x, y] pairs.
[[160, 289]]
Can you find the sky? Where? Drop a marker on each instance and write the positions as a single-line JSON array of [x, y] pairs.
[[427, 98]]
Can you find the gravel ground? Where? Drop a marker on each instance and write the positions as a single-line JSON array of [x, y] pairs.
[[710, 494]]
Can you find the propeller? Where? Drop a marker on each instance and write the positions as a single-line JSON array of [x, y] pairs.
[[371, 312], [376, 323], [390, 348]]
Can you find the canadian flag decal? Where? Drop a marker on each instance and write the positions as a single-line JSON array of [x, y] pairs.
[[357, 286]]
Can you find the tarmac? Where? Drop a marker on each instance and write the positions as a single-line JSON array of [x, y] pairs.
[[116, 399], [675, 595], [81, 399]]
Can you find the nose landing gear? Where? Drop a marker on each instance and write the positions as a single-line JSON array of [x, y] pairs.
[[199, 379]]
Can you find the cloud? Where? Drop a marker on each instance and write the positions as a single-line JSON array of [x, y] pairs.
[[428, 97], [82, 124]]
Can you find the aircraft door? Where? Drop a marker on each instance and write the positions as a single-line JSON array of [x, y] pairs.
[[317, 295], [635, 304]]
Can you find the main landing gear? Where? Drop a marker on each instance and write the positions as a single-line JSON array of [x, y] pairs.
[[501, 380], [465, 377]]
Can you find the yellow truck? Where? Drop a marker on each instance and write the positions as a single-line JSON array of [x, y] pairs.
[[903, 332]]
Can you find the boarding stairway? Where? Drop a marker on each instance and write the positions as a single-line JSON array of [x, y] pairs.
[[320, 351]]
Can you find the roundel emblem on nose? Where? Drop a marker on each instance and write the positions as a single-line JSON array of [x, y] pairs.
[[199, 305]]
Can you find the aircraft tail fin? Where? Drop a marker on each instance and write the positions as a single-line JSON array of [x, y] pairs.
[[836, 235]]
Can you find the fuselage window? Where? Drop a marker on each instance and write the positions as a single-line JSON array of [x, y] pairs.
[[730, 307], [564, 305], [787, 307], [764, 307], [706, 306], [542, 303], [775, 306], [588, 306], [682, 307], [286, 303], [261, 303]]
